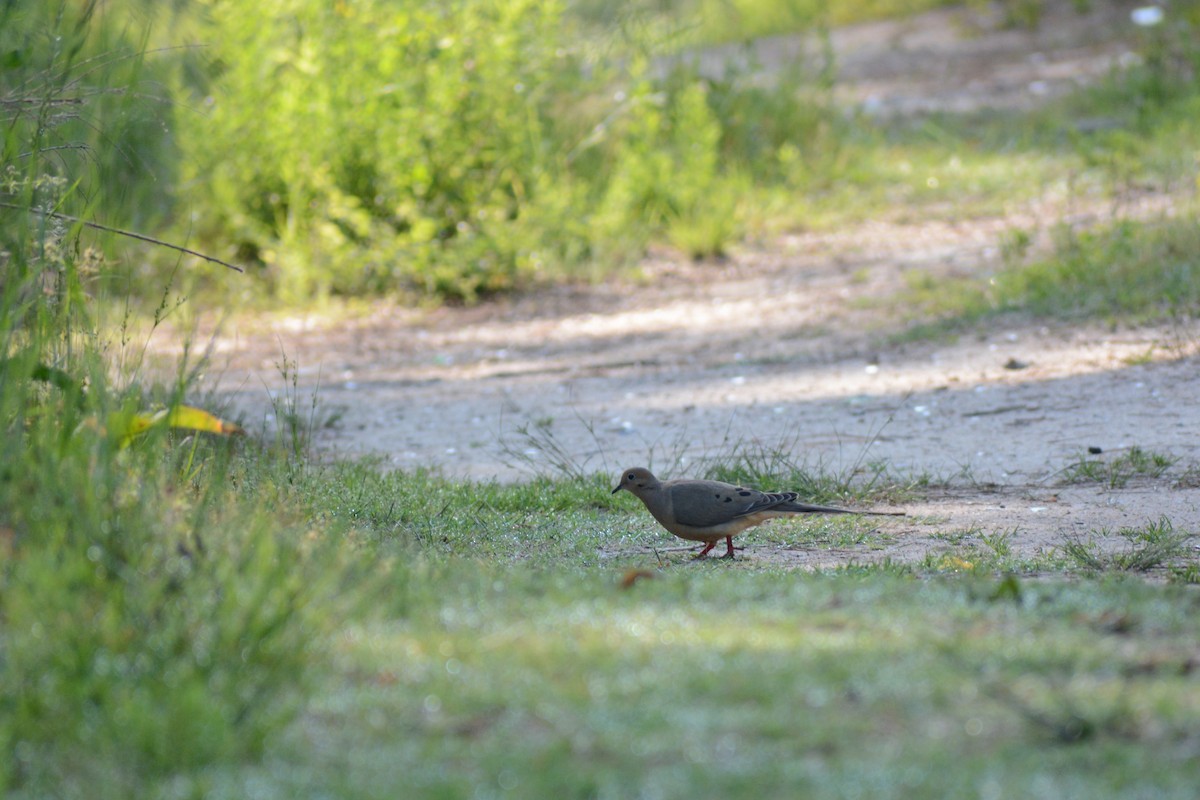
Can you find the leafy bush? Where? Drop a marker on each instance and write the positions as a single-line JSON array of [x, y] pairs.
[[452, 150], [157, 611], [370, 146]]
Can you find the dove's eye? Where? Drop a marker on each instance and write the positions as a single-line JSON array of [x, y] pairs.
[[630, 476]]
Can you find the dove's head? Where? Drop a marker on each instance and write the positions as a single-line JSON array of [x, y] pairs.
[[637, 481]]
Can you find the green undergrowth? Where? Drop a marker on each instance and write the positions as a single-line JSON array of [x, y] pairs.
[[186, 616], [476, 678], [433, 152], [152, 616], [159, 612], [1126, 141], [547, 638], [1125, 272]]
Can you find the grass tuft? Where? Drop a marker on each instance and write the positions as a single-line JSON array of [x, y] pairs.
[[1117, 472], [1153, 546], [778, 468]]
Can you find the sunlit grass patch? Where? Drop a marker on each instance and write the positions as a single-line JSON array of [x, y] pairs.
[[1132, 271]]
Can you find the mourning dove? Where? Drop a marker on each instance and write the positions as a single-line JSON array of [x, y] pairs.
[[709, 511]]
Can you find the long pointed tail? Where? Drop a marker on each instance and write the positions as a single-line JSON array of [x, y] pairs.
[[807, 508]]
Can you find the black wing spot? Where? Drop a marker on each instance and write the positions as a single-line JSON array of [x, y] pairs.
[[728, 499], [744, 493]]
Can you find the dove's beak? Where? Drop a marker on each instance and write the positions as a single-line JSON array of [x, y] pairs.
[[614, 491]]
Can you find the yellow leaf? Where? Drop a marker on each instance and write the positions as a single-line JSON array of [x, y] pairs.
[[180, 417], [195, 419]]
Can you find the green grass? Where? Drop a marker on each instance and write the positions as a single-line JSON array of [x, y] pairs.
[[1187, 574], [712, 682], [1128, 267], [1135, 272], [464, 636], [319, 175], [1117, 471], [1156, 545], [189, 617]]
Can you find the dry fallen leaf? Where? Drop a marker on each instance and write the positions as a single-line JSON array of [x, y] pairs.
[[634, 575]]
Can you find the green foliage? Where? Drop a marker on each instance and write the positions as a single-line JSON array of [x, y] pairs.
[[1116, 472], [667, 173], [77, 86], [1129, 270], [456, 150], [1156, 545], [709, 682], [366, 146], [153, 616]]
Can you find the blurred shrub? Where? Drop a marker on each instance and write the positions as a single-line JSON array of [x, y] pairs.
[[75, 78], [361, 147], [454, 149], [157, 611]]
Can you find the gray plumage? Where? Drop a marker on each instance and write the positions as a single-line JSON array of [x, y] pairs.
[[708, 511]]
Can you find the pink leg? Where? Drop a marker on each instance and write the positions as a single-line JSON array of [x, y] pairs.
[[707, 547], [729, 543]]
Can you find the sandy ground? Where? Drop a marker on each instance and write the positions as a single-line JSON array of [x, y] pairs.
[[776, 350]]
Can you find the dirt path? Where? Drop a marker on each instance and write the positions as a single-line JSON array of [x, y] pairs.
[[772, 350], [953, 59]]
